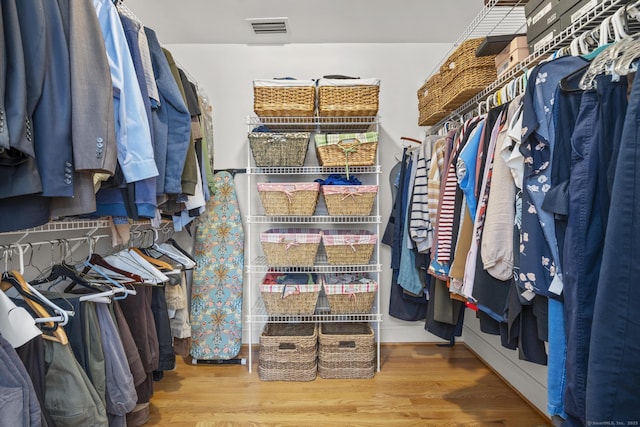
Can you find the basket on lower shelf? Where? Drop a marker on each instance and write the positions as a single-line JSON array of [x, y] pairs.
[[349, 293], [348, 246], [348, 97], [284, 98], [289, 198], [346, 350], [288, 352], [271, 149], [290, 246], [349, 200], [290, 299], [346, 149]]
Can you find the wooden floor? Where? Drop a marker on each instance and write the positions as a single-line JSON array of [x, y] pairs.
[[418, 385]]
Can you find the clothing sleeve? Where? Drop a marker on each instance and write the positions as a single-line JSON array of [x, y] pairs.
[[133, 136], [420, 228], [497, 252]]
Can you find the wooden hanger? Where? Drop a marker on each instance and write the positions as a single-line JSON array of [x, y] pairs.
[[162, 265], [14, 279], [406, 138]]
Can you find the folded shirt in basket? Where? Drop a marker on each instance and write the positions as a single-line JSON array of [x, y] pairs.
[[337, 179], [289, 279], [347, 278]]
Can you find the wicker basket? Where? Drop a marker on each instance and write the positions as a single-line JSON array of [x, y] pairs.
[[279, 149], [430, 102], [349, 298], [346, 149], [351, 101], [288, 352], [346, 350], [466, 74], [297, 300], [289, 198], [349, 200], [284, 98], [290, 246], [348, 247]]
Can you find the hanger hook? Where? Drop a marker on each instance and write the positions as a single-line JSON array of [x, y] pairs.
[[20, 258]]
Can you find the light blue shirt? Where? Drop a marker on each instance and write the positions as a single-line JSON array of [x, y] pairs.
[[466, 168], [133, 137]]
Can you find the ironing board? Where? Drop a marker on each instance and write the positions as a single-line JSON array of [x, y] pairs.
[[216, 295]]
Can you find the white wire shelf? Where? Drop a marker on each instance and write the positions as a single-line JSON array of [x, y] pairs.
[[322, 266], [587, 22], [311, 170], [318, 124], [316, 219], [492, 20], [64, 225], [322, 314]]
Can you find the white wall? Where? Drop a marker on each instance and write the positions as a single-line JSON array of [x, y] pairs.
[[227, 72]]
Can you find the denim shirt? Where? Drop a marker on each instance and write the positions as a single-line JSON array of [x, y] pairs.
[[538, 244]]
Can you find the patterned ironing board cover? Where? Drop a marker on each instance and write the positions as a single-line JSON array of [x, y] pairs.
[[216, 295]]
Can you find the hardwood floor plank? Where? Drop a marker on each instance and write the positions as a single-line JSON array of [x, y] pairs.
[[418, 385]]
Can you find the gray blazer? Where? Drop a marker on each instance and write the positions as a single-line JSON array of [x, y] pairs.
[[92, 119]]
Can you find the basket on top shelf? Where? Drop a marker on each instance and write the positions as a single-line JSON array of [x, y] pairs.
[[284, 98], [291, 298], [348, 246], [290, 246], [346, 97], [349, 293], [349, 200], [430, 102], [288, 352], [274, 149], [298, 198], [346, 149], [346, 350], [464, 74]]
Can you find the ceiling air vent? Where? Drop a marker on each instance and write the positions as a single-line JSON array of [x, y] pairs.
[[268, 25]]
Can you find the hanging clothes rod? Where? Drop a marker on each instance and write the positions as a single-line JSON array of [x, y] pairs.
[[232, 171]]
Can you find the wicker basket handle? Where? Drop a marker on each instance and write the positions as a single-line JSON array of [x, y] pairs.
[[287, 346], [347, 148], [347, 345]]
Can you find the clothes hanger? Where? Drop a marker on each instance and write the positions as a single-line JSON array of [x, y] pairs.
[[173, 253], [161, 265], [133, 261], [406, 138], [35, 301], [175, 244]]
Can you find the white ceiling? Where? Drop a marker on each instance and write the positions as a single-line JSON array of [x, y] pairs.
[[321, 21]]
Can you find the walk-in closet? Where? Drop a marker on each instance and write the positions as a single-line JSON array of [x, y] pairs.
[[345, 213]]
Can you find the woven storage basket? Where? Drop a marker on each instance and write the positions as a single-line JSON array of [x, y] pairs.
[[290, 246], [466, 74], [288, 352], [348, 97], [284, 98], [289, 198], [346, 350], [290, 299], [430, 101], [349, 298], [271, 149], [347, 149], [349, 200], [348, 246]]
